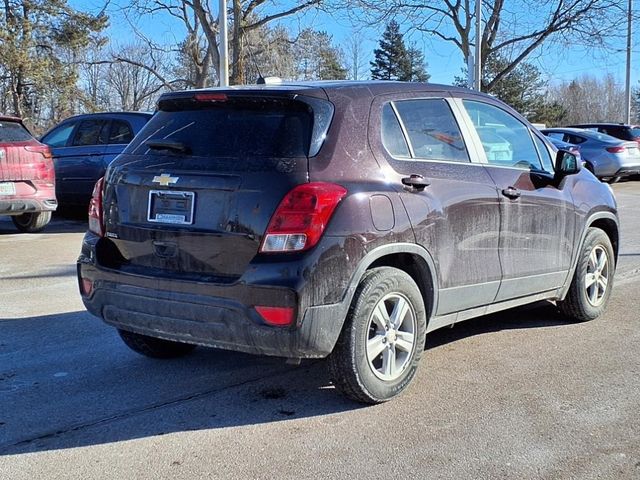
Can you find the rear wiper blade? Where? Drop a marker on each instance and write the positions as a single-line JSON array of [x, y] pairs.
[[167, 145]]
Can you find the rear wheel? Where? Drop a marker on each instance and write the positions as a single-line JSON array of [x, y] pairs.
[[155, 347], [593, 279], [380, 346], [31, 222]]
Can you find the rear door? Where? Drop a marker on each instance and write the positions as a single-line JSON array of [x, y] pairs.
[[537, 214], [455, 214], [192, 195]]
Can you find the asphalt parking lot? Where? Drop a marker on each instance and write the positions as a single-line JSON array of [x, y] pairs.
[[520, 394]]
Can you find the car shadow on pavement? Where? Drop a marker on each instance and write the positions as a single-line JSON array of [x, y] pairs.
[[57, 225], [536, 315], [68, 381]]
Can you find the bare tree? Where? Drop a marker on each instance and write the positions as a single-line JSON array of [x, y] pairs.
[[513, 29], [590, 99], [201, 20], [357, 63]]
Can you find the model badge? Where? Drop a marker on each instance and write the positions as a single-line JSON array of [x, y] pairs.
[[165, 179]]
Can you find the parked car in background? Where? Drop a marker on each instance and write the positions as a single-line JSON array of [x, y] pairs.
[[617, 130], [339, 219], [607, 157], [84, 145], [569, 147], [27, 179]]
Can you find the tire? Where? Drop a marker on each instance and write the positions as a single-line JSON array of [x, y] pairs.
[[583, 302], [379, 380], [31, 222], [155, 347], [612, 180]]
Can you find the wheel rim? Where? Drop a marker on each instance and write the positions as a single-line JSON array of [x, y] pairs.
[[391, 337], [596, 280]]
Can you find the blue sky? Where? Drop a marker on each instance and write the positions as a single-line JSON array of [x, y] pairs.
[[444, 60]]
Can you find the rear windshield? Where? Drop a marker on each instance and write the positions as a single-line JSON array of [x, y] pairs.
[[13, 132], [635, 132], [237, 127]]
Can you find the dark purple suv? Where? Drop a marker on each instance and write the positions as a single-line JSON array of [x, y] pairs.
[[342, 220]]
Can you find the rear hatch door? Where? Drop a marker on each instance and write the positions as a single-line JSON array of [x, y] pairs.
[[193, 193]]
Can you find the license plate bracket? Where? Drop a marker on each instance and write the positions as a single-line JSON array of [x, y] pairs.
[[170, 207]]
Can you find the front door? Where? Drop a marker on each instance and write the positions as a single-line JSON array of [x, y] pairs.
[[537, 214], [452, 203]]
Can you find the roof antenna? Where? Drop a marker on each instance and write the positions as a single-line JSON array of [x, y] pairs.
[[260, 80]]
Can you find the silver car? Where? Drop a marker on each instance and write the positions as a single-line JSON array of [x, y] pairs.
[[609, 158]]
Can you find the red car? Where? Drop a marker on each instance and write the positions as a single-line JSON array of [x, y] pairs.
[[27, 178]]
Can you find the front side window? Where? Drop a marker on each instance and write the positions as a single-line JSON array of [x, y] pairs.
[[432, 130], [545, 155], [506, 140], [59, 136]]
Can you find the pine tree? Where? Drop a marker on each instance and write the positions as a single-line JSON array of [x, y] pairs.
[[415, 68], [391, 58], [394, 61]]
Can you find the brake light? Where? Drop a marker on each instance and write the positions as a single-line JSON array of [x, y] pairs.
[[210, 97], [615, 149], [96, 219], [301, 217], [276, 316]]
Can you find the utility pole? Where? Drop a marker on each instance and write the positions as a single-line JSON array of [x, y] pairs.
[[477, 70], [627, 92], [224, 44]]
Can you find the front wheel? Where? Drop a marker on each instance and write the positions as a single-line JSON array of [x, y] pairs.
[[380, 346], [31, 222], [593, 279]]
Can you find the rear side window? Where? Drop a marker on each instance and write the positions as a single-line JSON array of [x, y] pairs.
[[392, 136], [432, 130], [13, 132], [574, 139], [91, 132], [238, 127], [121, 132]]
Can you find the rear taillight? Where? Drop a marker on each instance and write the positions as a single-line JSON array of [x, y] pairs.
[[301, 217], [615, 149], [43, 166], [96, 219], [44, 150]]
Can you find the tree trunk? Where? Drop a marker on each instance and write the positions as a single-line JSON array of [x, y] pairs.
[[237, 77]]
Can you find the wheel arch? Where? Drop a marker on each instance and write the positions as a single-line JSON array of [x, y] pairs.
[[411, 258], [606, 221]]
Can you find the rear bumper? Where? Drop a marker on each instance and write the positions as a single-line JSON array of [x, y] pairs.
[[213, 315], [18, 206], [30, 196], [628, 170]]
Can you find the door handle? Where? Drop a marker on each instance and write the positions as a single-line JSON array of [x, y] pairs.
[[511, 192], [416, 181]]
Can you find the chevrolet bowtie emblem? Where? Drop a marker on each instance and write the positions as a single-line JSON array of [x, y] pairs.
[[165, 179]]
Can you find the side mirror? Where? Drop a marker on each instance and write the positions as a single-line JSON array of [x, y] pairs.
[[566, 164]]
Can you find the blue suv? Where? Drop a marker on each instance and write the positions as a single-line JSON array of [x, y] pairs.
[[82, 148]]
